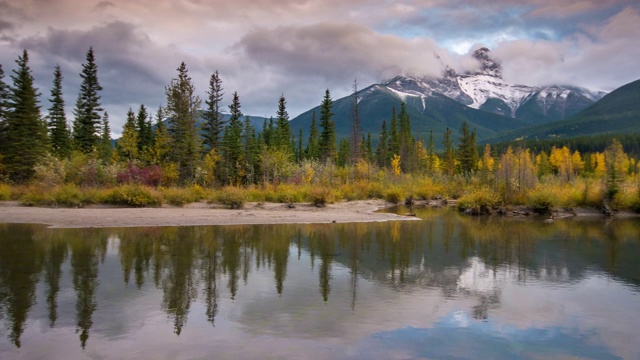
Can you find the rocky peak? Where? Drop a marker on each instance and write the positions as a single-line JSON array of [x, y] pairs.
[[488, 66]]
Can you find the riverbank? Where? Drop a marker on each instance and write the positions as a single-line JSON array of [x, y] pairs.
[[197, 214]]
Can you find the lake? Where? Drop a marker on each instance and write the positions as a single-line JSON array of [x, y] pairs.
[[445, 287]]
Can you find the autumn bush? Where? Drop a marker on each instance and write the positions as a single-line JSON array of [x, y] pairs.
[[134, 195], [5, 192], [480, 200], [230, 196]]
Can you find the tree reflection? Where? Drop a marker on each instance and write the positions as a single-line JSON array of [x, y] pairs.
[[185, 262]]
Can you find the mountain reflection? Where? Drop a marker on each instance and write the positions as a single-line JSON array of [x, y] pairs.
[[460, 256]]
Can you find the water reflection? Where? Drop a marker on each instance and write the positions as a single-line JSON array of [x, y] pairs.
[[477, 263]]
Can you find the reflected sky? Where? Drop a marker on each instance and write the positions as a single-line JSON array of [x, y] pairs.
[[445, 287]]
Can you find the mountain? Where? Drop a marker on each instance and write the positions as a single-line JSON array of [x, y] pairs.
[[481, 97], [616, 112], [485, 89], [375, 104]]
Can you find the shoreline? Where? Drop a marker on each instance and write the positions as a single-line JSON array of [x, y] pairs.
[[197, 214]]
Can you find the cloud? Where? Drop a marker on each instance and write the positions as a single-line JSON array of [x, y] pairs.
[[339, 51]]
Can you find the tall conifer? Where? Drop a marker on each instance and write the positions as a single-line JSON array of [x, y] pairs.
[[87, 120], [58, 128], [26, 132], [327, 144], [182, 110], [213, 124]]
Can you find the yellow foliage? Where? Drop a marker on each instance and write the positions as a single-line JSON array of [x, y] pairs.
[[395, 165]]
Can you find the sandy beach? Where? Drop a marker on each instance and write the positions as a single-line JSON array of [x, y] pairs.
[[196, 214]]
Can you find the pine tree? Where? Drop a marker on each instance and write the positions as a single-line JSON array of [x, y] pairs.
[[449, 159], [327, 143], [355, 126], [394, 136], [467, 150], [182, 110], [213, 124], [312, 150], [162, 140], [106, 150], [382, 150], [143, 126], [299, 151], [406, 142], [232, 143], [87, 112], [128, 143], [4, 111], [283, 130], [431, 152], [25, 134], [58, 128]]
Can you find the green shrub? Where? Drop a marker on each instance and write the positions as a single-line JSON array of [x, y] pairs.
[[133, 195], [321, 196], [35, 196], [479, 200], [542, 201], [178, 196], [5, 192], [231, 197], [393, 195], [67, 195]]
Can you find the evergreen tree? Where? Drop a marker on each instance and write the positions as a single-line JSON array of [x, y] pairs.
[[232, 143], [283, 130], [344, 153], [25, 139], [4, 112], [87, 112], [355, 127], [106, 150], [327, 143], [467, 150], [299, 151], [251, 154], [449, 160], [162, 140], [312, 151], [128, 143], [394, 136], [58, 128], [143, 125], [431, 152], [382, 150], [213, 124], [406, 142], [182, 110]]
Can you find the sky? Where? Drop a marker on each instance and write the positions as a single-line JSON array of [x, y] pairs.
[[298, 48]]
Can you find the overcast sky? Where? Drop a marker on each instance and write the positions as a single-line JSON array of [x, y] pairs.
[[299, 48]]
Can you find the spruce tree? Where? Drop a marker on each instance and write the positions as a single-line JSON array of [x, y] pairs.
[[106, 150], [327, 143], [143, 126], [26, 132], [312, 150], [355, 126], [382, 150], [128, 143], [58, 128], [449, 160], [213, 124], [4, 113], [182, 110], [394, 136], [87, 112], [283, 130], [232, 143], [467, 150], [162, 140]]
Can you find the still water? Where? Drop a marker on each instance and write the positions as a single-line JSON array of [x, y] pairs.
[[446, 287]]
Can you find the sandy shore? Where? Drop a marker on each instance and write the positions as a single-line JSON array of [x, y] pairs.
[[196, 214]]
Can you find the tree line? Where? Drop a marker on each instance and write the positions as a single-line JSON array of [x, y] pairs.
[[192, 142]]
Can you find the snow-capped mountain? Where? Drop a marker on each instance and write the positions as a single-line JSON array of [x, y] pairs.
[[485, 89]]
